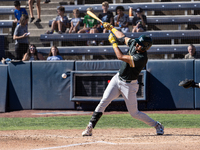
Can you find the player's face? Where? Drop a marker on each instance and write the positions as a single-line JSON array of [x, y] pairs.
[[138, 48]]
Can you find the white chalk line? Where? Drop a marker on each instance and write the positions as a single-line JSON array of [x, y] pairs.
[[58, 136], [78, 144]]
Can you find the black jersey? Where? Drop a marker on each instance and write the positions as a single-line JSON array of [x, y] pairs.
[[105, 17], [136, 20], [140, 59]]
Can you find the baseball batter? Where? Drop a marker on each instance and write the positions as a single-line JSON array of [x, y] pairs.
[[125, 81]]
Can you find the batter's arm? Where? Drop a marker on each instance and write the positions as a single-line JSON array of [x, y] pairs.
[[126, 58]]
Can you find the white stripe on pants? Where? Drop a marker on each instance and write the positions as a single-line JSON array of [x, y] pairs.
[[128, 91]]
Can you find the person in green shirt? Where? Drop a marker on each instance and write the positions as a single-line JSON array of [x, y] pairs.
[[89, 23]]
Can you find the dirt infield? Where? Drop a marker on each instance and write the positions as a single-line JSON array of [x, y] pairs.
[[102, 139]]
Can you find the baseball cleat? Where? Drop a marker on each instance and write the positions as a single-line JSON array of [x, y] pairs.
[[159, 128], [88, 131]]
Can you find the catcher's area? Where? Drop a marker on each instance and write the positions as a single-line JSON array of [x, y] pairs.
[[102, 139]]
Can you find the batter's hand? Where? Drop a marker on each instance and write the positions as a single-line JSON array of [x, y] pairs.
[[107, 26], [112, 39]]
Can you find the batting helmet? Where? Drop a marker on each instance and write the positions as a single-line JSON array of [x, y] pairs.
[[145, 41]]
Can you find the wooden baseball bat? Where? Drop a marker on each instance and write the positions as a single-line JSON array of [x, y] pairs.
[[91, 14]]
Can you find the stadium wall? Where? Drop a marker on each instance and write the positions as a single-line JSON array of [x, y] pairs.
[[39, 85]]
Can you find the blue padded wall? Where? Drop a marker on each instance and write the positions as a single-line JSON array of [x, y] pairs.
[[163, 90], [19, 85], [50, 90], [3, 87], [197, 79], [97, 65]]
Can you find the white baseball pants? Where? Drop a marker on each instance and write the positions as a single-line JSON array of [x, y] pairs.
[[128, 91]]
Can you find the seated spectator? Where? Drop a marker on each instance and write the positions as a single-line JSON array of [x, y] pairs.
[[121, 20], [61, 23], [139, 21], [32, 54], [90, 26], [192, 52], [54, 54], [30, 3], [75, 22], [21, 37], [105, 16], [18, 13]]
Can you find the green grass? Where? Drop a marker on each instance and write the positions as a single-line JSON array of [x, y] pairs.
[[107, 121]]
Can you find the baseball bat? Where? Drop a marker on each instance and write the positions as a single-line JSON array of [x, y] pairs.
[[91, 14]]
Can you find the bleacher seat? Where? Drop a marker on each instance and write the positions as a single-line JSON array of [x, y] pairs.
[[145, 6], [6, 23], [8, 10], [108, 50], [154, 20], [164, 34]]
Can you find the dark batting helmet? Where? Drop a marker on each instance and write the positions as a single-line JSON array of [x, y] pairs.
[[145, 41]]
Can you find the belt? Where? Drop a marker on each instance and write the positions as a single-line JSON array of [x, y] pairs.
[[127, 81]]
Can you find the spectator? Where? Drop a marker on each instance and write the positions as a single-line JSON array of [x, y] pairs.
[[21, 37], [89, 24], [192, 52], [139, 21], [75, 22], [121, 20], [18, 13], [105, 16], [30, 3], [32, 54], [61, 23], [54, 54]]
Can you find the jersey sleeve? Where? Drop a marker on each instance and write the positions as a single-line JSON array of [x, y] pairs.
[[131, 42]]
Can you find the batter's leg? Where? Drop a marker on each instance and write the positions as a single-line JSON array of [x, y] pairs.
[[129, 91], [110, 93]]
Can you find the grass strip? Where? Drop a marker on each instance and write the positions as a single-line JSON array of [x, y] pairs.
[[107, 121]]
